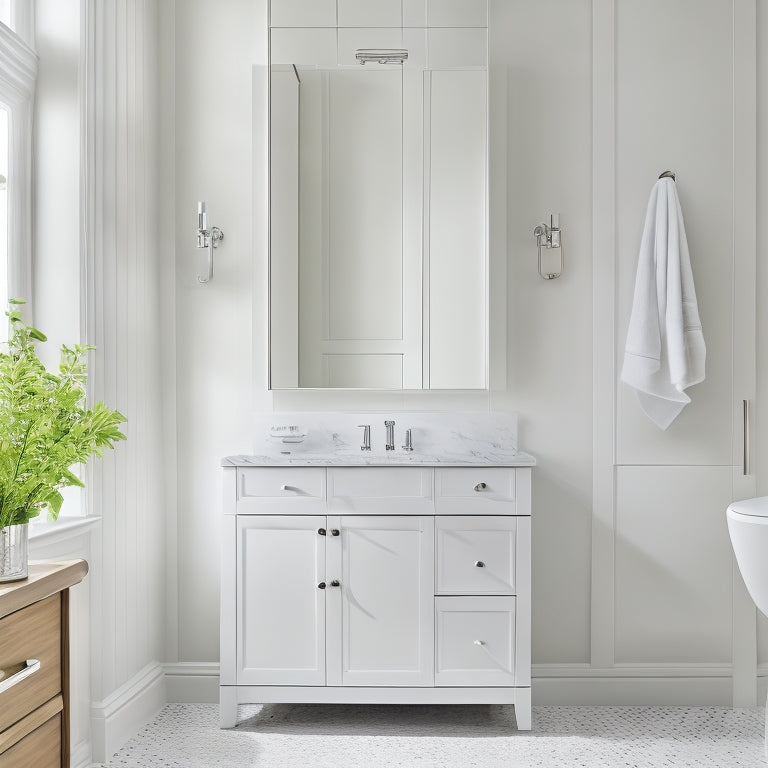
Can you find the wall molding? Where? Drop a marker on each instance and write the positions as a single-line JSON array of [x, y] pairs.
[[121, 714]]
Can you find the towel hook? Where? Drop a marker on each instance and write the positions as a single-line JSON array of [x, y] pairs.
[[668, 175]]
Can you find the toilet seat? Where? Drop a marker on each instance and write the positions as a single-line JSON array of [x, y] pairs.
[[753, 507]]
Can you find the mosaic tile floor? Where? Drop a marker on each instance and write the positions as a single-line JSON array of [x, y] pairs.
[[342, 736]]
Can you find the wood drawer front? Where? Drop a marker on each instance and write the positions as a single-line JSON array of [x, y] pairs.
[[33, 632], [475, 641], [475, 491], [380, 491], [475, 555], [39, 749], [281, 490]]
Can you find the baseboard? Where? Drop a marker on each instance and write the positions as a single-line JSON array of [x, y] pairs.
[[552, 684], [632, 685], [126, 710], [80, 756], [192, 682]]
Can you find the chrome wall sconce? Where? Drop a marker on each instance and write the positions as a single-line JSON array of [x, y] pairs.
[[207, 238], [550, 237]]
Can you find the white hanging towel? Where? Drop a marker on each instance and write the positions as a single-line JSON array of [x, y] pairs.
[[665, 350]]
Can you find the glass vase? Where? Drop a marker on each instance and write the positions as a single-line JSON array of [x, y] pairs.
[[14, 552]]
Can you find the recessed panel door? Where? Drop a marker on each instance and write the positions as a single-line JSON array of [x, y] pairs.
[[385, 570], [281, 603]]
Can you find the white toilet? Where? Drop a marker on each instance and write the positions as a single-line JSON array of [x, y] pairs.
[[748, 527]]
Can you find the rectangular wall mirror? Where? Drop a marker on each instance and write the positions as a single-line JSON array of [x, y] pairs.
[[378, 194]]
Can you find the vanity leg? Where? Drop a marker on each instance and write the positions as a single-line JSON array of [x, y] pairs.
[[227, 706], [523, 709]]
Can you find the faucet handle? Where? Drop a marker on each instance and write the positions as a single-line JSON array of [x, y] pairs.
[[390, 425], [366, 446], [408, 441]]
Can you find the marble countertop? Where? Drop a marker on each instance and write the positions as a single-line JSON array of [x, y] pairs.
[[363, 459], [486, 439]]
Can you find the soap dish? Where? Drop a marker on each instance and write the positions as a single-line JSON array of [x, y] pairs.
[[288, 434]]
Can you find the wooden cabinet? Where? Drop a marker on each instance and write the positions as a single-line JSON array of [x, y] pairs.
[[412, 587], [34, 662]]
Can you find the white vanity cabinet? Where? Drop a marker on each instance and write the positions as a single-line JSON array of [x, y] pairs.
[[376, 584]]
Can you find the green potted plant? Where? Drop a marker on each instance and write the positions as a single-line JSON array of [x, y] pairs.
[[45, 429]]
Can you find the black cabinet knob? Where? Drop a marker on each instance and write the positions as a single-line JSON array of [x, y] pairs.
[[321, 531], [335, 583], [321, 585], [335, 532]]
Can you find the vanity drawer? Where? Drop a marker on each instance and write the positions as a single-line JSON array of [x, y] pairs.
[[475, 491], [380, 491], [33, 632], [475, 555], [475, 642], [41, 748], [290, 490]]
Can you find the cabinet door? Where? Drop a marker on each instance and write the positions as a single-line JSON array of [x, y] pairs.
[[381, 616], [280, 607]]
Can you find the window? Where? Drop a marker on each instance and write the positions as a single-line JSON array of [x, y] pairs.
[[18, 71]]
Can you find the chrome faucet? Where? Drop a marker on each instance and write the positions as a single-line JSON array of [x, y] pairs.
[[366, 446], [408, 441], [390, 425]]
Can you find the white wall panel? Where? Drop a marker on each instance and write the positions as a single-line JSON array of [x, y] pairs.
[[124, 295], [457, 13], [673, 565], [215, 161], [370, 13], [457, 48], [549, 169], [414, 13], [302, 13], [315, 47], [675, 110]]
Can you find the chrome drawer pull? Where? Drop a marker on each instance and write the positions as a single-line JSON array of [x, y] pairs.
[[29, 668], [480, 487], [288, 488], [479, 642]]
